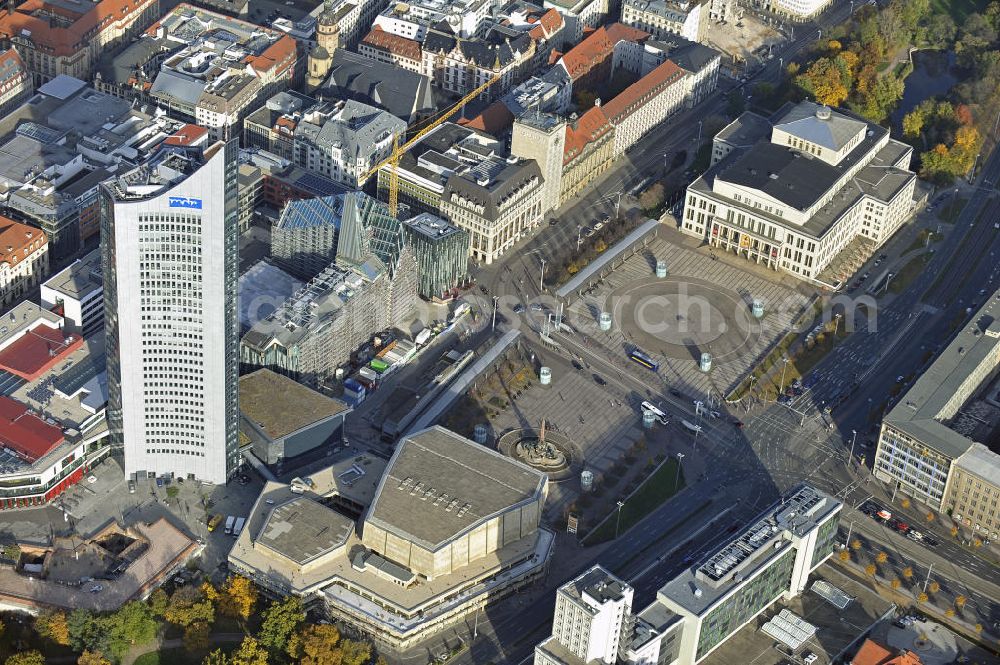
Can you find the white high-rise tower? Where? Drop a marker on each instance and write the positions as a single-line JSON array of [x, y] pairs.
[[170, 255]]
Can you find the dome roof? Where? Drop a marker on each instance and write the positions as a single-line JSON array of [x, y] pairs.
[[319, 53], [327, 16]]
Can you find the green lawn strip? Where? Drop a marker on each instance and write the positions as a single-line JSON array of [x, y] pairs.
[[908, 273], [950, 211], [656, 489], [921, 240]]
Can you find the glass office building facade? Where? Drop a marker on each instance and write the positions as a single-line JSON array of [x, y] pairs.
[[442, 253]]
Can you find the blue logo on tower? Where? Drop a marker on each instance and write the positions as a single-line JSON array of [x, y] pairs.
[[184, 202]]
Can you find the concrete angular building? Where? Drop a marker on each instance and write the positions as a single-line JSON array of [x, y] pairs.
[[169, 232]]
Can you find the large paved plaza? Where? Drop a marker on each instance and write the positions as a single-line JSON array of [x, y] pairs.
[[704, 304]]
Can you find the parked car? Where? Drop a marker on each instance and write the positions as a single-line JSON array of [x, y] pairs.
[[599, 380]]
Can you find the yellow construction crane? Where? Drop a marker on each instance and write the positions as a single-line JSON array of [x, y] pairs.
[[397, 150]]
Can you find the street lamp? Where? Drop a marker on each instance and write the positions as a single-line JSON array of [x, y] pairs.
[[541, 277], [854, 437], [677, 480], [699, 132], [618, 520], [784, 360], [579, 236], [495, 299]]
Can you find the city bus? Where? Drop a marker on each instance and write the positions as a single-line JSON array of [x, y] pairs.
[[648, 407], [643, 359]]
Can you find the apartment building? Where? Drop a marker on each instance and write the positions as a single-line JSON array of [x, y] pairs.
[[56, 37], [24, 260], [76, 293], [930, 442], [181, 64], [661, 18], [15, 81], [811, 180], [592, 616]]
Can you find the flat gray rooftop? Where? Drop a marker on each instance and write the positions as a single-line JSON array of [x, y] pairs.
[[302, 530], [439, 484], [80, 278], [757, 547], [925, 410], [281, 406]]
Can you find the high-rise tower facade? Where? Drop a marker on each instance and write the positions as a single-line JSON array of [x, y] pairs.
[[170, 258]]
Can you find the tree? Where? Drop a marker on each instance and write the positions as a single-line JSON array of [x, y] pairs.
[[905, 503], [929, 516], [196, 637], [950, 612], [913, 123], [978, 628], [280, 621], [53, 627], [12, 551], [922, 597], [217, 657], [855, 544], [600, 246], [133, 623], [960, 601], [954, 531], [92, 658], [977, 33], [316, 645], [84, 631], [250, 652], [870, 570], [32, 657], [825, 81], [895, 583], [158, 602], [963, 114], [934, 586], [939, 31], [355, 653], [908, 572], [845, 555], [187, 606], [238, 597], [653, 197], [881, 557]]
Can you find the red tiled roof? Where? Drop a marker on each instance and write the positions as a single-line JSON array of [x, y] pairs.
[[187, 135], [548, 23], [281, 52], [598, 47], [591, 126], [394, 44], [661, 77], [37, 351], [16, 237], [873, 653], [64, 41], [494, 119], [24, 432]]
